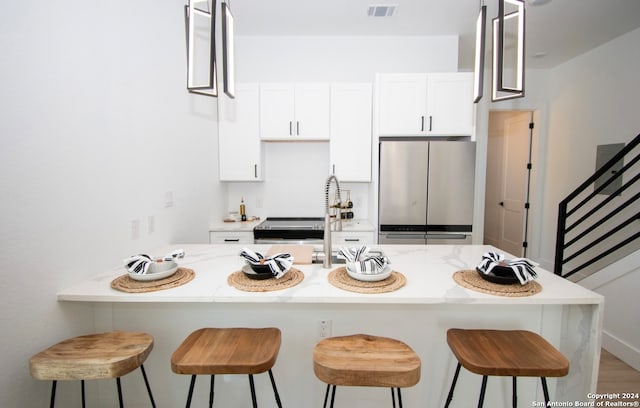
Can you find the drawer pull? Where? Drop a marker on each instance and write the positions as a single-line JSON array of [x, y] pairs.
[[352, 239], [232, 240]]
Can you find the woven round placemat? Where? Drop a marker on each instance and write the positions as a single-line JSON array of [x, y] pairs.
[[125, 284], [240, 281], [470, 279], [341, 279]]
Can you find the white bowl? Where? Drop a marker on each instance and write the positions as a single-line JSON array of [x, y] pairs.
[[370, 277], [157, 270]]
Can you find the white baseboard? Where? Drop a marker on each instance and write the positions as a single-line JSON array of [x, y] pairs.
[[622, 350]]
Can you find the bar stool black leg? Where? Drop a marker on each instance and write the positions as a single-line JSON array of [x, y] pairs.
[[82, 392], [399, 398], [453, 385], [253, 391], [514, 394], [212, 383], [545, 390], [326, 396], [52, 402], [146, 382], [333, 396], [482, 390], [393, 397], [191, 385], [119, 392], [275, 389]]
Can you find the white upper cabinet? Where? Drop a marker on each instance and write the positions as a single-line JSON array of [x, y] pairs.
[[438, 104], [450, 103], [239, 144], [294, 111], [403, 104], [350, 143]]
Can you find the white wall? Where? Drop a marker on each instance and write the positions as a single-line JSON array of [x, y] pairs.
[[95, 127], [594, 100]]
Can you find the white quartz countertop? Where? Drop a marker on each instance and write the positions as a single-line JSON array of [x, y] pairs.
[[428, 271]]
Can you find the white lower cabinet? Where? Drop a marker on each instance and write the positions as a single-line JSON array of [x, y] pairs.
[[349, 239], [231, 237], [239, 144]]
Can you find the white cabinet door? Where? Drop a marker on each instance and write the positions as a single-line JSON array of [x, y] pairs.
[[437, 104], [450, 103], [239, 145], [403, 104], [276, 111], [294, 112], [312, 111], [350, 143]]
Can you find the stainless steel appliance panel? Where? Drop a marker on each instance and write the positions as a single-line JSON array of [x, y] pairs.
[[451, 184], [403, 183], [426, 192]]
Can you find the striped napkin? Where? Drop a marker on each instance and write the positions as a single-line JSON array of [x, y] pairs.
[[279, 264], [140, 263], [359, 260], [522, 267]]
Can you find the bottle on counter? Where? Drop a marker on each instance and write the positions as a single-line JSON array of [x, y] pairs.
[[243, 214]]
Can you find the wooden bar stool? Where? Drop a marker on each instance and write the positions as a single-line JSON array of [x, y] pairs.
[[364, 360], [93, 357], [515, 353], [228, 351]]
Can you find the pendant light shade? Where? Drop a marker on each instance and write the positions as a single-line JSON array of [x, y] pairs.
[[201, 51], [508, 51], [478, 71], [228, 60]]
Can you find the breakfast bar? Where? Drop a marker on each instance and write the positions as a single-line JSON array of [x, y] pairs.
[[419, 311]]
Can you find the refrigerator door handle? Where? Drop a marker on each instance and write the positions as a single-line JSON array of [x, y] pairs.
[[446, 236]]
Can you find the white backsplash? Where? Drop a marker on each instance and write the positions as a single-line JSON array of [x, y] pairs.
[[295, 176]]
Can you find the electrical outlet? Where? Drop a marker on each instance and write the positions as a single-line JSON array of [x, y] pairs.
[[259, 202], [325, 328], [168, 199]]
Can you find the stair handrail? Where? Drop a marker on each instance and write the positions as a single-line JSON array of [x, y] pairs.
[[563, 205]]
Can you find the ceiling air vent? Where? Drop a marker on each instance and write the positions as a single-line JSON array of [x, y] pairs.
[[381, 10]]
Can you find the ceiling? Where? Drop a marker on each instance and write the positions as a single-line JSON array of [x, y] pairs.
[[556, 30]]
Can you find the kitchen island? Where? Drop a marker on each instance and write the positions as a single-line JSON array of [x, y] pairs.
[[419, 313]]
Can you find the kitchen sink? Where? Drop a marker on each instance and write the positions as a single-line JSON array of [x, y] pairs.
[[318, 256]]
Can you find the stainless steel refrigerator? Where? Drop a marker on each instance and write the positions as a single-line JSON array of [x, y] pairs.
[[426, 192]]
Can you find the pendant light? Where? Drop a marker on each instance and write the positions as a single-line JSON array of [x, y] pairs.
[[201, 50], [508, 57]]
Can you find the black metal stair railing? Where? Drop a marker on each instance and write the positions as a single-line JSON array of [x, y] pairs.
[[602, 227]]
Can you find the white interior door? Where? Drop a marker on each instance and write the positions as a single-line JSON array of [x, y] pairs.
[[507, 180]]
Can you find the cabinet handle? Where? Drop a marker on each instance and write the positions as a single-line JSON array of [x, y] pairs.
[[290, 128], [334, 169], [422, 123], [352, 239], [232, 240], [255, 171], [430, 123], [298, 128]]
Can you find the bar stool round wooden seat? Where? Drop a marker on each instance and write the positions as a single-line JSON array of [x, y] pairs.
[[514, 353], [228, 351], [93, 357], [364, 360]]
